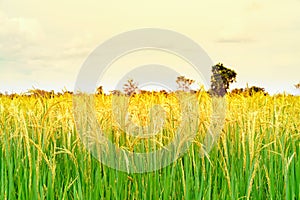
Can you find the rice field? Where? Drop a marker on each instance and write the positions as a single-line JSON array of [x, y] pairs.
[[256, 157]]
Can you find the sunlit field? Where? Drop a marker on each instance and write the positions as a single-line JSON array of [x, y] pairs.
[[256, 157]]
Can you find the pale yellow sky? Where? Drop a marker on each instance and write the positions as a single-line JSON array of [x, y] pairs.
[[43, 44]]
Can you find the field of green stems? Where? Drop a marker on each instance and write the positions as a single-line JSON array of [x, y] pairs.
[[256, 157]]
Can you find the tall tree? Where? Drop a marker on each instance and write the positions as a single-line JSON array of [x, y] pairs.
[[221, 78]]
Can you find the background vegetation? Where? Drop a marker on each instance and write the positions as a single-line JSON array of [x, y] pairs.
[[256, 157]]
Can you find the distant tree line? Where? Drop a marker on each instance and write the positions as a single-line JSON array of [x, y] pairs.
[[36, 93], [249, 91], [221, 79]]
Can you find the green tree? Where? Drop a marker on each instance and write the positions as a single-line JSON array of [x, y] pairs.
[[221, 78]]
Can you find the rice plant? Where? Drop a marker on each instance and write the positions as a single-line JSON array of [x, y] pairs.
[[256, 157]]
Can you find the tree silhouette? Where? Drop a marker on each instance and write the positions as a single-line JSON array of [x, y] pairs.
[[41, 93], [99, 90], [221, 79], [254, 89], [184, 84], [130, 87], [249, 91], [238, 91]]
